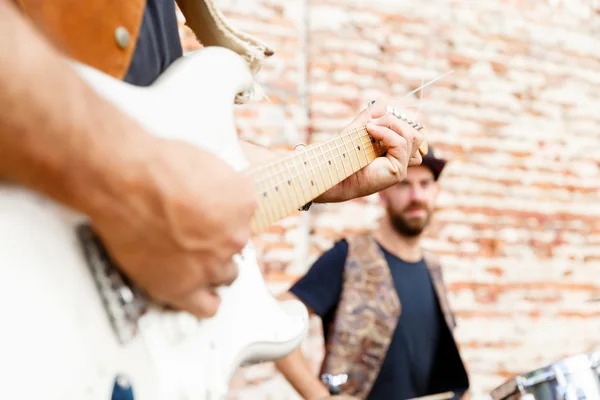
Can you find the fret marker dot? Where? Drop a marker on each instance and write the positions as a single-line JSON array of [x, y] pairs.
[[344, 155], [312, 183], [264, 194], [329, 162], [289, 182], [358, 147]]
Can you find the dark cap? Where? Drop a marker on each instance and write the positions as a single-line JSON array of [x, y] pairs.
[[436, 165]]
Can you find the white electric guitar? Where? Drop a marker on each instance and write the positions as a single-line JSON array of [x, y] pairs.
[[73, 327]]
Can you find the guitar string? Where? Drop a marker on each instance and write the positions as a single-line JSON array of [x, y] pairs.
[[318, 146], [270, 165], [423, 86], [275, 175], [273, 208], [286, 196], [275, 213], [275, 179], [276, 183], [295, 154]]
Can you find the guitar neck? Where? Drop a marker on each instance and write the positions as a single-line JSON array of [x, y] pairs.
[[285, 185]]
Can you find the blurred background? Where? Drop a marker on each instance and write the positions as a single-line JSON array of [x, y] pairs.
[[518, 224]]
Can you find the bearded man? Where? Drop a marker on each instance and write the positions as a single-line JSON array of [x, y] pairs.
[[387, 324]]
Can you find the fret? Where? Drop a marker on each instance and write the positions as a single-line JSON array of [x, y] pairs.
[[357, 147], [327, 165], [345, 141], [259, 219], [333, 161], [371, 152], [274, 194], [324, 167], [364, 147], [341, 158], [350, 143], [317, 166], [265, 199], [298, 176], [304, 175], [289, 184], [309, 182], [284, 187]]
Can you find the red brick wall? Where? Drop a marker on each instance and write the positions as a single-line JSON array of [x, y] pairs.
[[517, 226]]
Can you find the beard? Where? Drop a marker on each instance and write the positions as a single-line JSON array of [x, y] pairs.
[[409, 227]]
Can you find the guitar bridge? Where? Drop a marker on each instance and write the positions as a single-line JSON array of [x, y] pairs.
[[123, 301]]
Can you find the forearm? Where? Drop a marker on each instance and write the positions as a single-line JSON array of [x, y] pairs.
[[297, 371], [56, 135]]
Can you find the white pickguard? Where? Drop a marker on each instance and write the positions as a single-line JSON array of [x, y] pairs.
[[56, 341]]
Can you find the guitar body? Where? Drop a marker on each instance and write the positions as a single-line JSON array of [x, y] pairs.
[[68, 330]]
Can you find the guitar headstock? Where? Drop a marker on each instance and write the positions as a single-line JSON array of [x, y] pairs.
[[423, 148]]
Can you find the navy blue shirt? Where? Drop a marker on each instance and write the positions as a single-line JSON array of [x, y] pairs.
[[406, 370], [158, 43]]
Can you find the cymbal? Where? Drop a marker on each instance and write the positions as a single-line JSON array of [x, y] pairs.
[[438, 396], [593, 300]]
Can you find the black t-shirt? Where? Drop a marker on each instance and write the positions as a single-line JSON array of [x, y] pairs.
[[158, 43], [406, 370]]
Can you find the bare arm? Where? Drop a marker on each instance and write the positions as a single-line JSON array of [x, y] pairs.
[[297, 370], [159, 221], [56, 135]]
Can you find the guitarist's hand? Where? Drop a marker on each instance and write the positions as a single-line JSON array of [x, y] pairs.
[[402, 142], [176, 223]]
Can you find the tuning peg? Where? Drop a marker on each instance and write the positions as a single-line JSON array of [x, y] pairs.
[[424, 147]]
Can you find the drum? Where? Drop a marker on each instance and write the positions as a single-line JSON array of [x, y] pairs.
[[573, 378]]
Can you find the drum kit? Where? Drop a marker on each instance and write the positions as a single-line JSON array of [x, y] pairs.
[[572, 378]]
